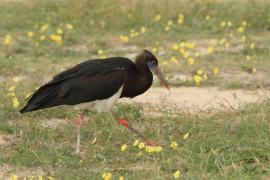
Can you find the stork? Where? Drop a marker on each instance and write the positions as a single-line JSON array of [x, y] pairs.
[[98, 84]]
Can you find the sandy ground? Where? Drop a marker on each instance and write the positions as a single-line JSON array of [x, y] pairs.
[[196, 98]]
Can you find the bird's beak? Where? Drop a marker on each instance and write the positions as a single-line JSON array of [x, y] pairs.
[[160, 76]]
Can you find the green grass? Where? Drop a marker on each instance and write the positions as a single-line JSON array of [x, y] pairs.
[[226, 145]]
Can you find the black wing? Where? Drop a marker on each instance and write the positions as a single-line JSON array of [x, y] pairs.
[[85, 82]]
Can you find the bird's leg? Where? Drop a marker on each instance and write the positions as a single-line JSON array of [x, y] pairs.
[[79, 124], [126, 124]]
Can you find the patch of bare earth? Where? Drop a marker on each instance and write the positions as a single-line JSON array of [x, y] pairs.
[[6, 172], [53, 123], [197, 99], [6, 139]]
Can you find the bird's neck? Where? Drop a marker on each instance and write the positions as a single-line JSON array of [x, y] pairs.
[[144, 77]]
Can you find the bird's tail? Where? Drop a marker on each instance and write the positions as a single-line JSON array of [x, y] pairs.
[[46, 96]]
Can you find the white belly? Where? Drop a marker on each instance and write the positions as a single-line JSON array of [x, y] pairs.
[[104, 105]]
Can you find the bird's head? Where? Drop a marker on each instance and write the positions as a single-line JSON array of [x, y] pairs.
[[146, 58]]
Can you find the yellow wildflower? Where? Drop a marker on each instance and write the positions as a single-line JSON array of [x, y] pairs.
[[252, 46], [11, 88], [136, 142], [16, 79], [133, 33], [227, 45], [210, 50], [158, 148], [169, 23], [56, 38], [107, 175], [11, 94], [42, 37], [205, 76], [102, 56], [50, 178], [8, 40], [243, 38], [123, 147], [190, 61], [36, 44], [197, 79], [174, 59], [100, 52], [141, 145], [174, 144], [39, 177], [164, 62], [189, 45], [175, 46], [186, 136], [182, 44], [94, 140], [196, 54], [185, 54], [44, 28], [248, 58], [30, 34], [215, 70], [181, 18], [167, 28], [177, 174], [121, 178], [158, 17], [207, 18], [241, 29], [149, 149], [124, 38], [199, 72], [229, 24], [223, 24], [253, 70], [222, 41], [14, 177], [59, 31], [244, 23], [154, 50], [143, 29], [69, 26], [15, 102]]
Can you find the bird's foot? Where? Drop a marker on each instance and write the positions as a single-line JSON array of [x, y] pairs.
[[125, 123], [153, 143]]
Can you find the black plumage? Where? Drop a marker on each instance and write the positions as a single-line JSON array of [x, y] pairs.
[[95, 80]]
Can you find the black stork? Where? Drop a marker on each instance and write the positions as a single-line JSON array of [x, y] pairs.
[[98, 84]]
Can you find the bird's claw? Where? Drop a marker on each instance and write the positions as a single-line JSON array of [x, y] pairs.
[[153, 143]]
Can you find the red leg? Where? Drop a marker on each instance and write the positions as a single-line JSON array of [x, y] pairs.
[[79, 124], [125, 123]]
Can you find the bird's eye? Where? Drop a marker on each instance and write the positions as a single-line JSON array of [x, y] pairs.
[[154, 62]]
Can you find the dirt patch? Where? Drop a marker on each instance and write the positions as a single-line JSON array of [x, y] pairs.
[[194, 99], [6, 172], [6, 139], [53, 123]]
